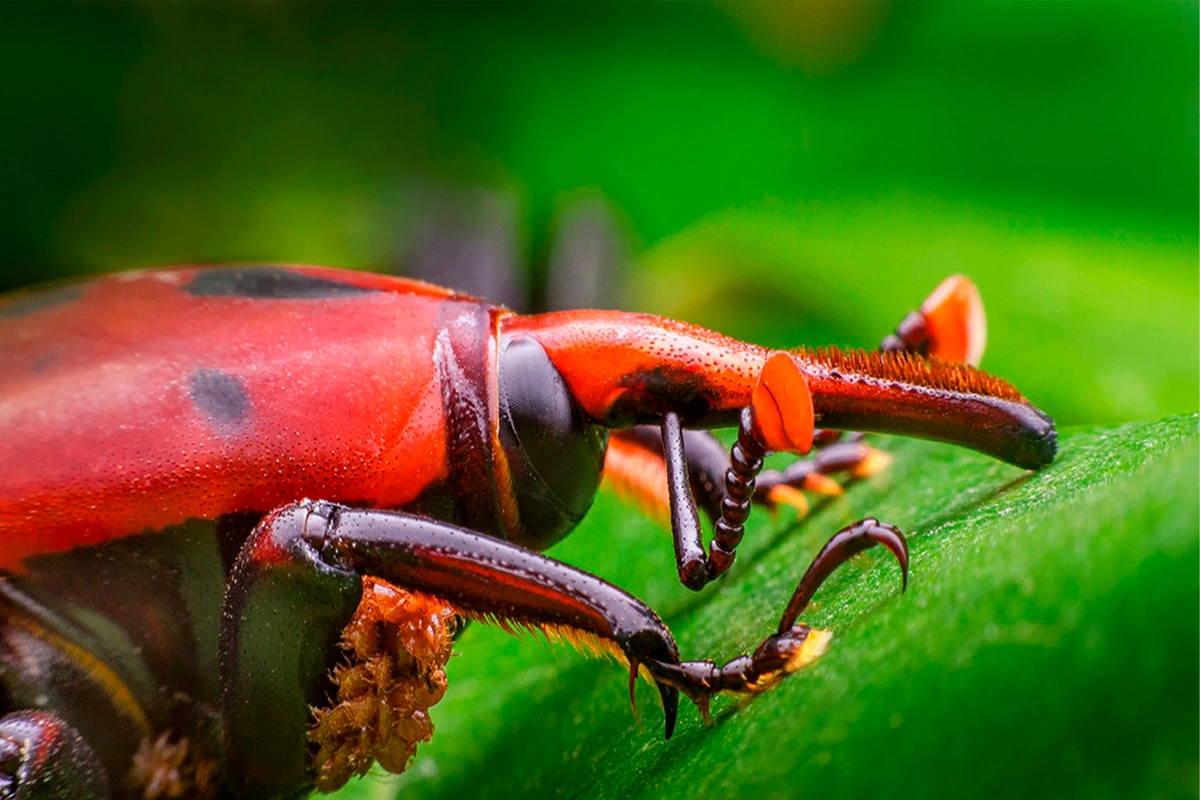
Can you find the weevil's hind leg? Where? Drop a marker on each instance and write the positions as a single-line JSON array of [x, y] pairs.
[[43, 758]]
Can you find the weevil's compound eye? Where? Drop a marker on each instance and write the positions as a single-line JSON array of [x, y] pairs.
[[555, 454]]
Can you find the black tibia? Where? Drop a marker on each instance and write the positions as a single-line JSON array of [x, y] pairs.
[[491, 578], [696, 568], [690, 557], [43, 758]]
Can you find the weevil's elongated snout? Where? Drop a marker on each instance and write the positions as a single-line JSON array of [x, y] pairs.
[[892, 392], [627, 369]]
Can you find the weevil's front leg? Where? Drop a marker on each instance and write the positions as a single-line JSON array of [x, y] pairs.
[[792, 645], [296, 585], [316, 543], [43, 758]]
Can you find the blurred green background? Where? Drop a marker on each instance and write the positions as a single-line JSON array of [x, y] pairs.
[[782, 172]]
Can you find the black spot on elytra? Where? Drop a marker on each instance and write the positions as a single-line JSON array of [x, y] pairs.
[[41, 365], [40, 301], [220, 395], [268, 283]]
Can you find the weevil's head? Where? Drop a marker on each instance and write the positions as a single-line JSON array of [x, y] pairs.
[[555, 454]]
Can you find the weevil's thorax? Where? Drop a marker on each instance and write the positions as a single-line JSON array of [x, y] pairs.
[[555, 454]]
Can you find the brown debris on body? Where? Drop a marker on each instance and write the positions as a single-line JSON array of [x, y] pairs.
[[168, 769], [397, 646]]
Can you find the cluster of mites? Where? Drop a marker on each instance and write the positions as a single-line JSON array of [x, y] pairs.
[[901, 367], [397, 646]]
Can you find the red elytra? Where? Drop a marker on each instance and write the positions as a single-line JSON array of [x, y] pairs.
[[122, 412]]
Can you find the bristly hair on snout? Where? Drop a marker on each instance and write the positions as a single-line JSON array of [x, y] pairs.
[[909, 368]]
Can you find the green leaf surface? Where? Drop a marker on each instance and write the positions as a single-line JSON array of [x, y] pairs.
[[1047, 645]]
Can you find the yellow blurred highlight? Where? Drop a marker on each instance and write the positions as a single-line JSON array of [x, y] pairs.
[[820, 37], [822, 484], [875, 461], [781, 495]]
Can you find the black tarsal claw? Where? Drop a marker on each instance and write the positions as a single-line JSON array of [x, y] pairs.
[[702, 704], [841, 547], [670, 702], [633, 674]]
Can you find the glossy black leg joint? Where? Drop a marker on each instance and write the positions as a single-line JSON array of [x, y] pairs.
[[745, 462]]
